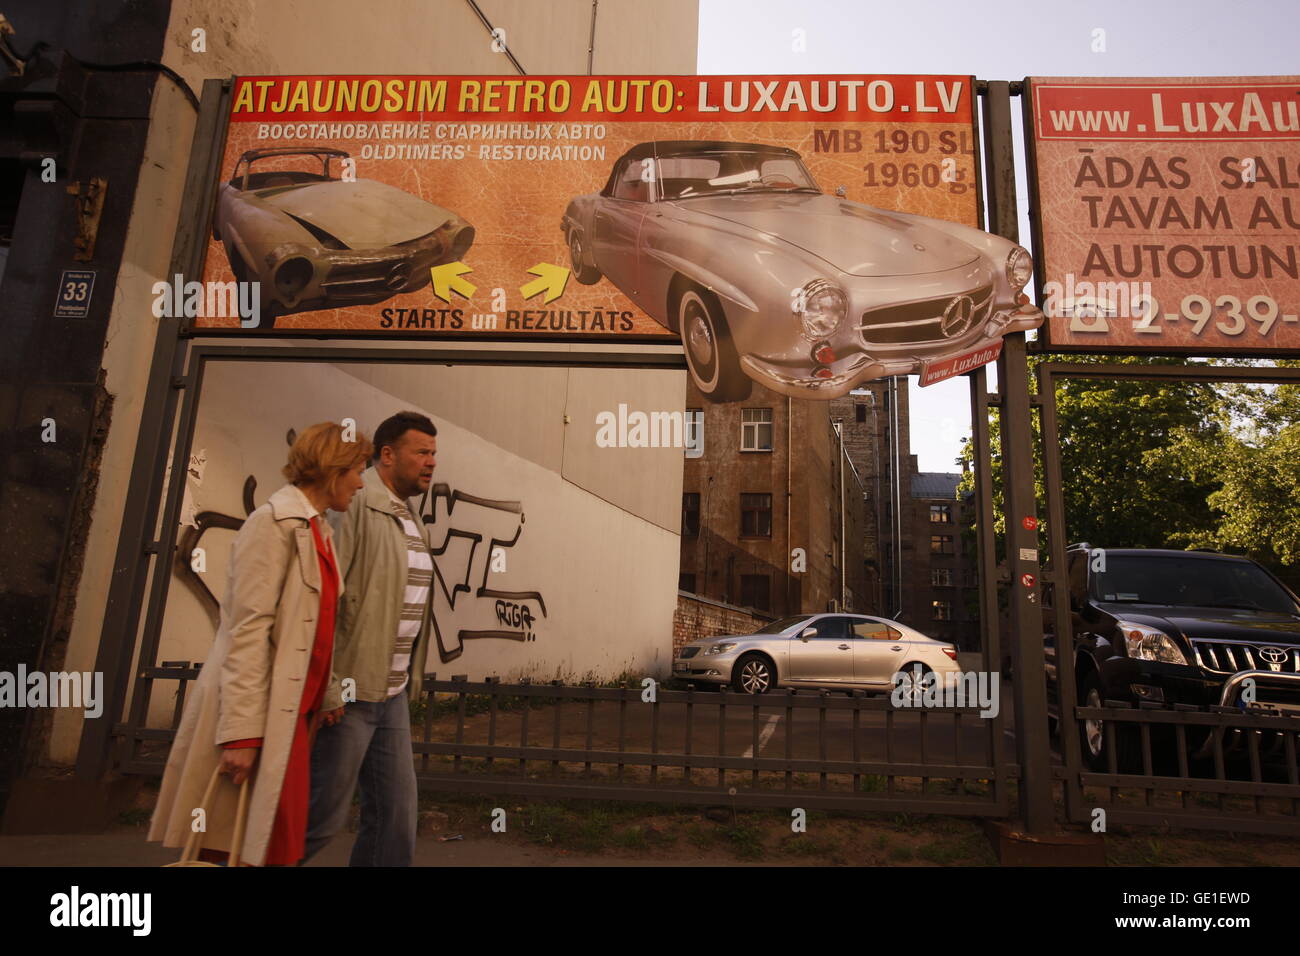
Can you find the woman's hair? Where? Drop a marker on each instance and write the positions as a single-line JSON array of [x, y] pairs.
[[320, 455]]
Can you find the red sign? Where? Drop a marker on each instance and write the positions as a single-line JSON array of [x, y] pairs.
[[1167, 213], [1027, 580], [958, 365], [1029, 523]]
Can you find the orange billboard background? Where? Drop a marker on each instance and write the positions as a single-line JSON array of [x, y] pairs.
[[1168, 213], [884, 139]]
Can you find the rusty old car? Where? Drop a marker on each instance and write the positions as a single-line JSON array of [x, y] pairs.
[[316, 240]]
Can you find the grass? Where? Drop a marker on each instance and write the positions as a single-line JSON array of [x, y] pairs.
[[800, 844], [137, 817], [745, 839], [1149, 851], [684, 833], [874, 783]]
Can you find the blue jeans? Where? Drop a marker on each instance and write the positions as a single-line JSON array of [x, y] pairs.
[[370, 745]]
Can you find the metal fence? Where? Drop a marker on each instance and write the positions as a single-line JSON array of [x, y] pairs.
[[1217, 768], [791, 748]]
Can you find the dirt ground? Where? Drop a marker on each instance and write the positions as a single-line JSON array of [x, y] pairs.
[[623, 833]]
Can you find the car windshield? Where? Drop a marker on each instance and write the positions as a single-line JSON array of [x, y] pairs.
[[290, 169], [722, 172], [1189, 582], [776, 627]]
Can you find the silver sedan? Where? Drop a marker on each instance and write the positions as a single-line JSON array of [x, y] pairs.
[[848, 651]]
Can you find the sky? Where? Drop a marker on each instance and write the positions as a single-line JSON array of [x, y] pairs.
[[996, 41]]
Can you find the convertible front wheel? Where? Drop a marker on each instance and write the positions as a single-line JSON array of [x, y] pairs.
[[710, 353], [587, 275]]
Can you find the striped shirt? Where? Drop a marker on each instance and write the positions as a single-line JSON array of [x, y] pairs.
[[419, 577]]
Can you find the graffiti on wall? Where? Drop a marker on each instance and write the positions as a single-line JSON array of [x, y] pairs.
[[459, 559]]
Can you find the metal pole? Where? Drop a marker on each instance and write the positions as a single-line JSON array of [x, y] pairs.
[[1021, 508], [135, 541]]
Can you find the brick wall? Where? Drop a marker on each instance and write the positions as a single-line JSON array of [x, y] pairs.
[[698, 617]]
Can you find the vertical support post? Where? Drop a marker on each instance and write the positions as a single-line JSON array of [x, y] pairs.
[[131, 564], [988, 566], [1063, 639], [1020, 505]]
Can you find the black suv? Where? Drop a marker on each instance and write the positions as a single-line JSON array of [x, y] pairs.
[[1174, 627]]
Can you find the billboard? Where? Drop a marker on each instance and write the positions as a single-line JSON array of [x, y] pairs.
[[1166, 213], [805, 232]]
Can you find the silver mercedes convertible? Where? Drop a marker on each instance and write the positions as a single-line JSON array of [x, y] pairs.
[[766, 278]]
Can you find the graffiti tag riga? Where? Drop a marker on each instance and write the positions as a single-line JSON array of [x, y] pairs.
[[460, 550]]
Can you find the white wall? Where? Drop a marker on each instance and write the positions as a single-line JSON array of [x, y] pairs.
[[604, 574]]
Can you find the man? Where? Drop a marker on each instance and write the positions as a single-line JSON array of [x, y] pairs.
[[380, 642]]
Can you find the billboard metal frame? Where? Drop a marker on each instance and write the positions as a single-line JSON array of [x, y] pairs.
[[1044, 344]]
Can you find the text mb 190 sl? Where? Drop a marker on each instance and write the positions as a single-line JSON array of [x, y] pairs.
[[766, 278], [316, 241]]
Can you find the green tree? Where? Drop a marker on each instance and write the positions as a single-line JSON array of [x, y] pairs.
[[1118, 490], [1254, 462]]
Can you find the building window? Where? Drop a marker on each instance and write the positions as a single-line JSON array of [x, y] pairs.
[[690, 513], [942, 610], [756, 515], [756, 429], [756, 591], [686, 582], [941, 514], [861, 411], [941, 577], [941, 544], [694, 432]]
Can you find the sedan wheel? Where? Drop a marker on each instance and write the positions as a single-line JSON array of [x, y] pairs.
[[754, 675], [710, 354], [587, 275], [915, 679]]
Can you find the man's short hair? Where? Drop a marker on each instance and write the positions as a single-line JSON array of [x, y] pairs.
[[391, 430]]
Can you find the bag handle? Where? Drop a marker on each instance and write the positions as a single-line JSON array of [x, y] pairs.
[[191, 851]]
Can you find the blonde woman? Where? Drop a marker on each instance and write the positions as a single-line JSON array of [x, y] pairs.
[[257, 702]]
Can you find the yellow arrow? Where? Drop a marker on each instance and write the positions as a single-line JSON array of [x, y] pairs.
[[447, 279], [552, 280]]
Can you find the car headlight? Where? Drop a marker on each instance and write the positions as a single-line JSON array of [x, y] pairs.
[[1149, 644], [821, 306], [719, 648], [1020, 266]]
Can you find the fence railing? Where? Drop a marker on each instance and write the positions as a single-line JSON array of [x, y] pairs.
[[788, 748], [1215, 767], [828, 750]]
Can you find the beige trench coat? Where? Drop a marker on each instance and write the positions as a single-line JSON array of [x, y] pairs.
[[251, 684]]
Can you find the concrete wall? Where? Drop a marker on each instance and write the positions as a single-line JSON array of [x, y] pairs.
[[314, 37], [602, 578]]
